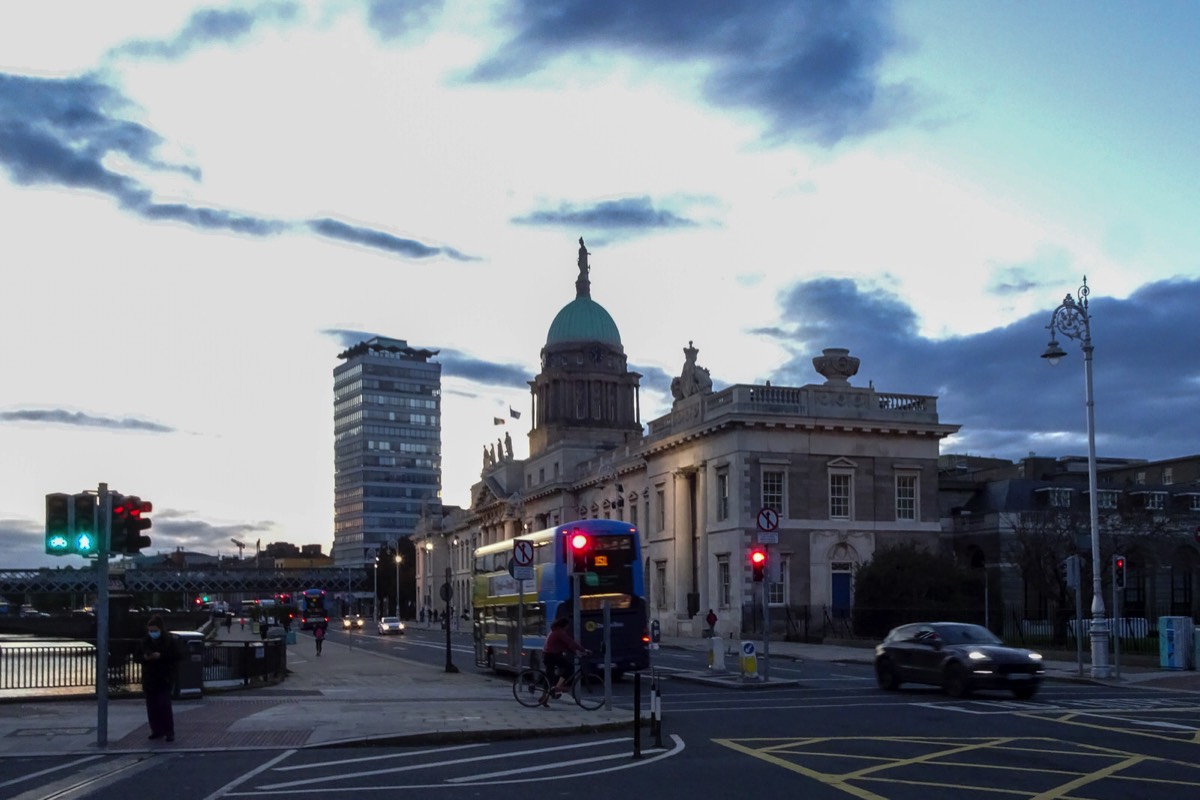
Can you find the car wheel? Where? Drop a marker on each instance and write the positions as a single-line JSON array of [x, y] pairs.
[[886, 675], [954, 681], [1024, 692]]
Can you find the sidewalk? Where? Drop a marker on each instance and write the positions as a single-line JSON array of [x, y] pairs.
[[351, 695]]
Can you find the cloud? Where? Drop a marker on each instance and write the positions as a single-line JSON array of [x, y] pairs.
[[57, 416], [393, 19], [996, 385], [378, 240], [62, 131], [207, 26], [631, 214], [810, 67], [459, 365]]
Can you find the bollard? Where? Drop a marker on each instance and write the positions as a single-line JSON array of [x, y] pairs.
[[654, 703], [656, 712], [637, 715]]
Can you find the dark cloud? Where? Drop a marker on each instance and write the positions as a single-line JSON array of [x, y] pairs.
[[459, 365], [392, 19], [348, 338], [378, 240], [60, 132], [810, 67], [455, 363], [631, 214], [995, 384], [654, 379], [57, 416], [174, 528], [207, 26]]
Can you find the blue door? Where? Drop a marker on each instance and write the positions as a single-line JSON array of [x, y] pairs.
[[841, 594]]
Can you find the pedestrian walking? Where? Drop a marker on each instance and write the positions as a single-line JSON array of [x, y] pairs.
[[711, 619], [228, 622], [319, 635], [243, 620], [158, 673]]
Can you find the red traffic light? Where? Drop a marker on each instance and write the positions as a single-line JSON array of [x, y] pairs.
[[579, 541], [1120, 563], [758, 557]]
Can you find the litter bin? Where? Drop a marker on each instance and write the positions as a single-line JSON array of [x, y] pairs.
[[189, 663]]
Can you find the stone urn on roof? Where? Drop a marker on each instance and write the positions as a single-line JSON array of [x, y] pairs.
[[837, 365]]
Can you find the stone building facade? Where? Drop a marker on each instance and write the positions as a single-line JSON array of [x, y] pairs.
[[822, 475]]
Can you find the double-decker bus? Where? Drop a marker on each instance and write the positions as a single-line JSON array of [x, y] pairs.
[[313, 611], [511, 618]]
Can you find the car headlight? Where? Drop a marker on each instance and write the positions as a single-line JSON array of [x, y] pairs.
[[977, 655], [1035, 656]]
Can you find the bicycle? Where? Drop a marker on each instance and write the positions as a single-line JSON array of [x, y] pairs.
[[531, 687]]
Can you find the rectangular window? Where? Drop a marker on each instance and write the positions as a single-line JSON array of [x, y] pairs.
[[1060, 498], [660, 584], [1106, 499], [724, 582], [661, 497], [777, 589], [722, 495], [1168, 476], [1196, 502], [1155, 501], [906, 497], [633, 513], [772, 490], [840, 486]]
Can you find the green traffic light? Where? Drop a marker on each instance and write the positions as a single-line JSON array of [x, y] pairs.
[[56, 544]]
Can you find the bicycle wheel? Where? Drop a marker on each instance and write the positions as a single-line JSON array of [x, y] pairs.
[[589, 691], [531, 687]]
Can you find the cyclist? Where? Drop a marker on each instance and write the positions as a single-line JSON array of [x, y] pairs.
[[556, 654]]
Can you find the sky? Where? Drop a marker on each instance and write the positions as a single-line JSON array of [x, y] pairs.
[[204, 204]]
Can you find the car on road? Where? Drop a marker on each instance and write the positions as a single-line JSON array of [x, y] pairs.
[[388, 625], [959, 657], [353, 622]]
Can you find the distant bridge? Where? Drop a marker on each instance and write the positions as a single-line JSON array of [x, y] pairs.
[[263, 582]]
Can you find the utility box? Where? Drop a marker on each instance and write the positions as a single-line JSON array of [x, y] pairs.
[[189, 663], [1175, 642]]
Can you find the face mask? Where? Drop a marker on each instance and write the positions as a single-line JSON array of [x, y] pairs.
[[155, 634]]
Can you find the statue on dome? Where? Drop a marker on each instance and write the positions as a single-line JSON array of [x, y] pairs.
[[508, 456], [582, 262], [694, 379]]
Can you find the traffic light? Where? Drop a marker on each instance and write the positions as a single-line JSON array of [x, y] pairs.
[[128, 522], [85, 539], [758, 563], [579, 546], [58, 524], [1119, 571]]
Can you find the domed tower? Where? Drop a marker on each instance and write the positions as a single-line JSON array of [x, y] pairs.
[[585, 393]]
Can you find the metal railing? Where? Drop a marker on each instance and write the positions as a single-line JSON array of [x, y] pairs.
[[69, 668]]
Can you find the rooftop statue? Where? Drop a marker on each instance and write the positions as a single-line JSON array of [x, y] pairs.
[[694, 379]]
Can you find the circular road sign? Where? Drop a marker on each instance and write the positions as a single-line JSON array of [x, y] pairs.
[[446, 592], [768, 519]]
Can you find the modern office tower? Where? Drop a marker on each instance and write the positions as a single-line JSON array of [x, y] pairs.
[[387, 445]]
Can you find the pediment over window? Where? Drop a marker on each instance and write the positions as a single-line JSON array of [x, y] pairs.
[[841, 463]]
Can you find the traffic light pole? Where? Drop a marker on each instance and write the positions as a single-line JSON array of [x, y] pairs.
[[766, 598], [1116, 634], [102, 617]]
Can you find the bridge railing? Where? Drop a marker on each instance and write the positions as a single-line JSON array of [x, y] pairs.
[[30, 670]]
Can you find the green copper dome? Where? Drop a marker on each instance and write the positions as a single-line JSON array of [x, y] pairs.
[[583, 320]]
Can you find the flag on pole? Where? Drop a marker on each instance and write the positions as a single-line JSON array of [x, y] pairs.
[[497, 421], [512, 412]]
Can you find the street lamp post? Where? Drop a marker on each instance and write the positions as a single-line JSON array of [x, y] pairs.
[[397, 578], [1072, 320], [375, 599]]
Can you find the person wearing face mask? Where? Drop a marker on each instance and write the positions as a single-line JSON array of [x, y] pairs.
[[158, 672]]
